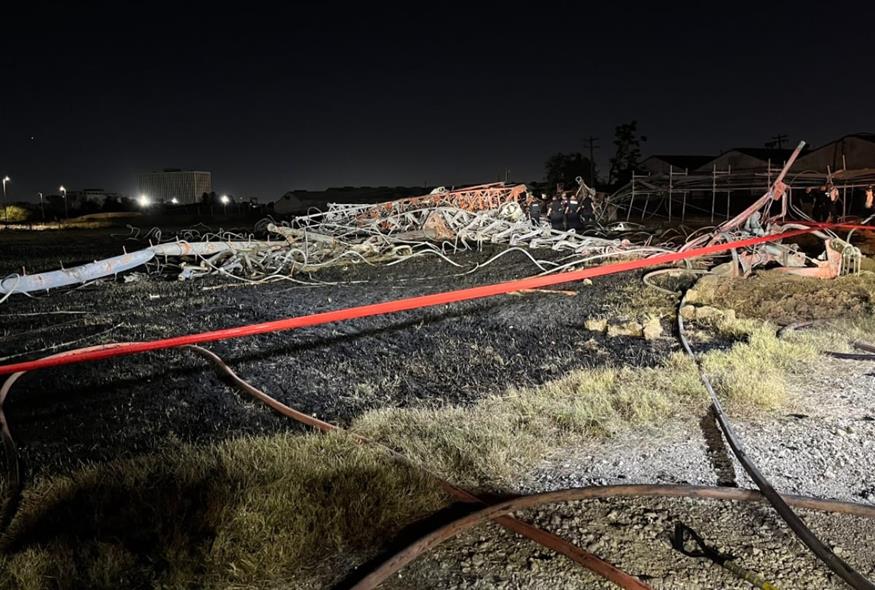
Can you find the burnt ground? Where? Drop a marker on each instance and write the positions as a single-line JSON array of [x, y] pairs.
[[447, 355]]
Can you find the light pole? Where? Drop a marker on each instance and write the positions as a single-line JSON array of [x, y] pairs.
[[42, 206], [5, 180], [63, 190]]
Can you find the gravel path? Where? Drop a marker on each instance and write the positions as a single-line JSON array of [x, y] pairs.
[[824, 446]]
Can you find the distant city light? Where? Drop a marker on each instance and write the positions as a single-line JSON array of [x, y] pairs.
[[224, 199], [63, 190], [175, 201], [144, 201]]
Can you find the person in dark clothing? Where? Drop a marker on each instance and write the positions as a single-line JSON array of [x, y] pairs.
[[822, 205], [836, 205], [586, 210], [555, 214], [535, 211], [571, 215]]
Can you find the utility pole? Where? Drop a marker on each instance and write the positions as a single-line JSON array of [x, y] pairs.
[[591, 143], [777, 141]]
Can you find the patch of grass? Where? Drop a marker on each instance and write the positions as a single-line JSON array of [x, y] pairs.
[[246, 513], [836, 335], [638, 301], [493, 442], [842, 308], [498, 439], [753, 376], [784, 298], [300, 510]]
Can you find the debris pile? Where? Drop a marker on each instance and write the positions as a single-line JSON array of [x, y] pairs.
[[445, 222]]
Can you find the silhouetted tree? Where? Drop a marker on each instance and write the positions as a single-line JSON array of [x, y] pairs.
[[564, 168], [627, 156], [111, 203]]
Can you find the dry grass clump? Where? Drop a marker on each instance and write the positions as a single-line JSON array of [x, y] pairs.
[[843, 309], [496, 440], [753, 375], [253, 511], [785, 298], [636, 300], [836, 335]]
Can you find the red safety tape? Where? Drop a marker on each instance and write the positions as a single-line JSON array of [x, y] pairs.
[[407, 304]]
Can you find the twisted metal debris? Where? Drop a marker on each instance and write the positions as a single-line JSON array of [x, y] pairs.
[[442, 223], [437, 224]]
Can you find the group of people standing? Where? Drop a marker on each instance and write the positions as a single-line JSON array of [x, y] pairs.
[[827, 203], [564, 212]]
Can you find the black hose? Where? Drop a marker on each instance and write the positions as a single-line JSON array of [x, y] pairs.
[[832, 561]]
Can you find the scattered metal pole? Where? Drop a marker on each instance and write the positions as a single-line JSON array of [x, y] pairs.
[[845, 188], [713, 190], [845, 200], [728, 191], [632, 200]]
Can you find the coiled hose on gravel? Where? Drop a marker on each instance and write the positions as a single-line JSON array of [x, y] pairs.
[[824, 553]]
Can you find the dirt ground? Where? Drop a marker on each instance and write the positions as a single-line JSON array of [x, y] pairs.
[[446, 355]]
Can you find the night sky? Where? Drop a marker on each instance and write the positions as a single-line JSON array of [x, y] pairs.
[[325, 95]]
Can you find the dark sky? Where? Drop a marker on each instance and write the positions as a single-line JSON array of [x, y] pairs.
[[317, 95]]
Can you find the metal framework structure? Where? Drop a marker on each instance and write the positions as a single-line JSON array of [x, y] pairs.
[[710, 194]]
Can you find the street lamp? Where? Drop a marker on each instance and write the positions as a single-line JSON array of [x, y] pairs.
[[63, 190], [224, 199], [174, 201], [5, 180], [144, 201]]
